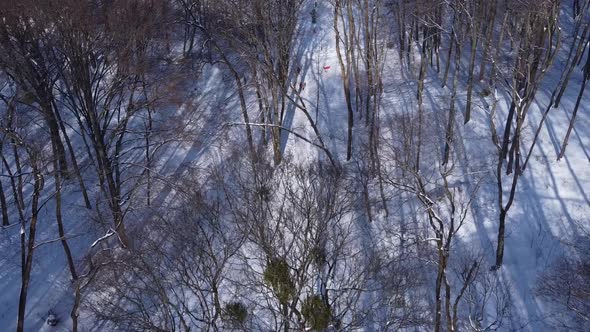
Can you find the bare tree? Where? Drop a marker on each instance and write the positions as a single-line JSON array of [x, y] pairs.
[[564, 286], [535, 29], [24, 55], [191, 250], [102, 84], [257, 36], [27, 238]]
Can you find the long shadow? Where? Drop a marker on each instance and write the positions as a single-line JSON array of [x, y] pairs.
[[206, 135], [551, 129]]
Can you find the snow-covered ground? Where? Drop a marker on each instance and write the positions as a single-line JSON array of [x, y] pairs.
[[552, 196]]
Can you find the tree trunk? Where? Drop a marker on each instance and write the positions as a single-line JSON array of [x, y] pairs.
[[500, 245], [3, 205], [52, 124], [74, 312], [449, 136], [488, 30], [474, 41], [440, 276], [58, 218], [345, 72], [368, 63], [74, 161], [105, 170], [28, 250], [575, 112], [448, 64], [16, 189], [507, 129], [20, 199], [419, 96]]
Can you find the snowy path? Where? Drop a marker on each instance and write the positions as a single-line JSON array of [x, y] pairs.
[[315, 54]]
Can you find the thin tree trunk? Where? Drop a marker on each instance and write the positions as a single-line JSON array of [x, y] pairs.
[[504, 212], [448, 63], [19, 175], [501, 236], [449, 136], [420, 94], [368, 63], [438, 287], [262, 105], [148, 157], [488, 30], [3, 206], [16, 189], [52, 124], [577, 57], [401, 30], [448, 301], [74, 161], [507, 129], [244, 108], [28, 248], [498, 49], [105, 170], [58, 218], [575, 112], [345, 72], [74, 312], [474, 42], [351, 40]]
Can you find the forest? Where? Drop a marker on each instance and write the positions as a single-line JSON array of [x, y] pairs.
[[294, 165]]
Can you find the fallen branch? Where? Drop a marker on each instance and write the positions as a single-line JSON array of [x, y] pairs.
[[109, 233], [56, 240], [323, 148]]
